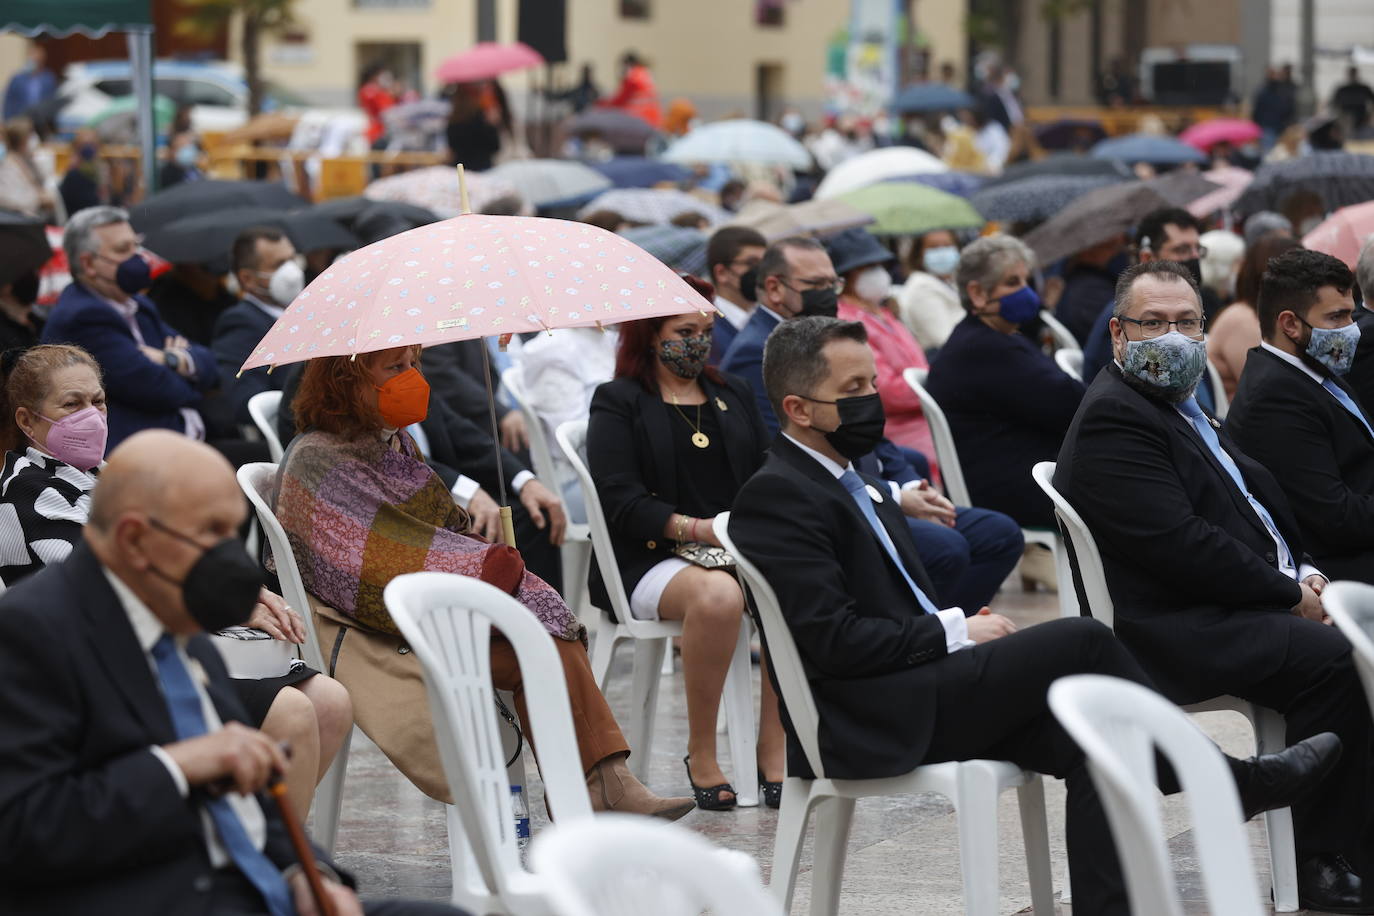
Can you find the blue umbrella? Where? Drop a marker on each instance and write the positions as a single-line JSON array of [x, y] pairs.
[[1150, 148], [640, 172], [923, 97], [964, 184]]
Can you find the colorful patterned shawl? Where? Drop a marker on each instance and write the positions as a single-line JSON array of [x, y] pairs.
[[358, 514]]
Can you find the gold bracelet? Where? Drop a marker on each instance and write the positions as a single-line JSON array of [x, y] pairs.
[[681, 523]]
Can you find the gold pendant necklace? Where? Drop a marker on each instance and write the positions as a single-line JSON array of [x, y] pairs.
[[699, 438]]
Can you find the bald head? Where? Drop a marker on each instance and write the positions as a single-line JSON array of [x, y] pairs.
[[162, 474]]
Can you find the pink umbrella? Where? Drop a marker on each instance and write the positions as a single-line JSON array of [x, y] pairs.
[[486, 60], [1233, 182], [1207, 134], [1343, 233]]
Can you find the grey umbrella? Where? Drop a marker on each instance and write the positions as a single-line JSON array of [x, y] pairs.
[[1111, 210], [1340, 178], [1031, 200]]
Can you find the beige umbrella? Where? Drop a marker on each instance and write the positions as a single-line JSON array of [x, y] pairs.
[[812, 217]]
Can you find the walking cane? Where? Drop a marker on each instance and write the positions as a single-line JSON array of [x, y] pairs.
[[277, 789]]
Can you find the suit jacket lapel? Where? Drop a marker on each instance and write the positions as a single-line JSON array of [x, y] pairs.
[[1185, 429]]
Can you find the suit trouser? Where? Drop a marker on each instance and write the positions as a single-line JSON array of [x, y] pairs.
[[968, 563], [994, 704]]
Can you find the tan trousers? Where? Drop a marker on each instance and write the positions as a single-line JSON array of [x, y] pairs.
[[386, 683]]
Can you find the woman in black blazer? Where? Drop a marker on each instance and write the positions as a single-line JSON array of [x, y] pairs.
[[669, 443]]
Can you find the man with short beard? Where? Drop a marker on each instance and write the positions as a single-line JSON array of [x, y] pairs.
[[1211, 588]]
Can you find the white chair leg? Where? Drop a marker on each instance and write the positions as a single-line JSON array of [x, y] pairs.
[[1271, 737], [329, 799], [976, 808], [576, 560], [1036, 835], [648, 659], [1068, 595], [787, 841], [461, 862], [833, 817], [603, 649], [1066, 896], [738, 702]]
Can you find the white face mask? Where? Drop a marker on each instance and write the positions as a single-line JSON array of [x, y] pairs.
[[286, 282], [873, 284]]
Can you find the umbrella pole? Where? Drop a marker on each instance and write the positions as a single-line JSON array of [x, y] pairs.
[[507, 524]]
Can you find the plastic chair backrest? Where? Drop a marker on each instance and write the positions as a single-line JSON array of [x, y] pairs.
[[258, 480], [946, 453], [620, 865], [1071, 361], [1119, 725], [572, 438], [1351, 606], [1063, 337], [447, 621], [1085, 554], [1219, 399], [263, 408], [782, 651], [540, 454]]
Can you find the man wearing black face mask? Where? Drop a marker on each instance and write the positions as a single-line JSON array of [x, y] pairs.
[[732, 257], [19, 326], [122, 748], [897, 682]]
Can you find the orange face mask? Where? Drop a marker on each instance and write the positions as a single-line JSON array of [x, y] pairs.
[[404, 399]]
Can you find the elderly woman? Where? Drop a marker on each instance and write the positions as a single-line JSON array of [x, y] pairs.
[[360, 507], [1008, 404], [54, 419], [670, 441]]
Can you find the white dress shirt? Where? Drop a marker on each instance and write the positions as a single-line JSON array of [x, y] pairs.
[[272, 311], [733, 313], [952, 619], [148, 630]]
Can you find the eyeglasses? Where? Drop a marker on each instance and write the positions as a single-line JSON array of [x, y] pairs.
[[821, 283], [1185, 254], [1156, 327]]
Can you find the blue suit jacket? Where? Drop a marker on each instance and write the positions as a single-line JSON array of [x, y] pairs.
[[723, 333], [140, 394], [238, 330]]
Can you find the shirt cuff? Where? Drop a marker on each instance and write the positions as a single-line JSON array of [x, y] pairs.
[[464, 490], [1307, 569], [956, 629], [896, 492], [190, 362], [518, 483], [916, 484], [178, 777]]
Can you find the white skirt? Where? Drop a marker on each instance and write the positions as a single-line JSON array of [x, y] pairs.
[[649, 591]]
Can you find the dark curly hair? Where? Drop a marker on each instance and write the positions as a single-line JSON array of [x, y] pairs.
[[1291, 283]]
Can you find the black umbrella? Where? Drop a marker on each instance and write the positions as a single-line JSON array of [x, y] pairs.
[[1340, 178], [1070, 133], [1062, 164], [24, 241], [624, 132], [1030, 200], [193, 198], [374, 220], [207, 237]]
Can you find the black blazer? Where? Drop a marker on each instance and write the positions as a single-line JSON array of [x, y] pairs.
[[630, 456], [90, 820], [1192, 571], [238, 331], [1322, 456], [455, 372], [862, 637]]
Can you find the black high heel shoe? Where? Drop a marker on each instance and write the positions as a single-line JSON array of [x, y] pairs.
[[709, 798], [771, 792]]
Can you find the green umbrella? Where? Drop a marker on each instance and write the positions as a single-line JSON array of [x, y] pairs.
[[908, 208]]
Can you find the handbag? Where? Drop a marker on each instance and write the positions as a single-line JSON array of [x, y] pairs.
[[706, 556]]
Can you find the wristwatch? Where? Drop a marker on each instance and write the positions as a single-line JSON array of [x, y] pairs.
[[171, 360]]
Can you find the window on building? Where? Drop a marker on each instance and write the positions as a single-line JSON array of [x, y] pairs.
[[770, 13], [634, 9]]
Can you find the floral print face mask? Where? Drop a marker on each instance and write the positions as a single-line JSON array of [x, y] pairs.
[[685, 357], [1171, 364], [1334, 348]]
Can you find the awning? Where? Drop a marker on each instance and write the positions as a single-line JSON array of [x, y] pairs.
[[92, 18]]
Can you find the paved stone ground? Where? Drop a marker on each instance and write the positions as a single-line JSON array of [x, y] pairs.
[[903, 852]]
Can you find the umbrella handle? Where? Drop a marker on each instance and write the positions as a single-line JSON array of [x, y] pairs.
[[507, 527], [463, 190]]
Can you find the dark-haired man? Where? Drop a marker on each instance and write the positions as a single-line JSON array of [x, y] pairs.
[[732, 257], [1210, 585], [1295, 414], [898, 682]]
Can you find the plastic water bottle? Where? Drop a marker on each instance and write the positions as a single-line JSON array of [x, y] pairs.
[[522, 822]]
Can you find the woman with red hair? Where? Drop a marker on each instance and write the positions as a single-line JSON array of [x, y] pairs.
[[670, 441]]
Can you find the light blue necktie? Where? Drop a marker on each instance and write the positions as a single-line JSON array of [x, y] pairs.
[[1347, 402], [183, 701], [859, 492], [1204, 429]]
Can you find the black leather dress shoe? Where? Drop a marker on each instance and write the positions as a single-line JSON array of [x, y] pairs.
[[1326, 884], [1278, 780]]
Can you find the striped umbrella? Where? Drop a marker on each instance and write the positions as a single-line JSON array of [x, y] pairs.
[[1031, 200], [1342, 179], [681, 248]]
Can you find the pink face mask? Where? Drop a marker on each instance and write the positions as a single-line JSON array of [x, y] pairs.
[[78, 438]]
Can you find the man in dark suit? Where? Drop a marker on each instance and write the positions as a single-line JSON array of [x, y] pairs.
[[1295, 414], [1211, 588], [154, 378], [263, 261], [128, 782], [458, 372], [897, 682], [732, 253], [1361, 376]]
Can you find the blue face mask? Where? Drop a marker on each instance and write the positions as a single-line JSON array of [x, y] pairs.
[[187, 156], [1334, 348], [1171, 364], [942, 261], [1020, 306]]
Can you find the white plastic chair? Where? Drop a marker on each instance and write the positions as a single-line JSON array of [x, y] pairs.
[[1268, 725], [576, 552], [1063, 337], [972, 785], [257, 481], [447, 621], [1219, 398], [620, 865], [1351, 606], [263, 408], [1071, 361], [1119, 724], [951, 472], [651, 641]]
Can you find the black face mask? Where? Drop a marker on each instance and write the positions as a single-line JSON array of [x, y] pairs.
[[824, 303], [221, 588], [749, 284], [862, 421]]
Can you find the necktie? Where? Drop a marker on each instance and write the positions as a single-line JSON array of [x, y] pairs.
[[1347, 402], [184, 704], [859, 493], [1204, 429]]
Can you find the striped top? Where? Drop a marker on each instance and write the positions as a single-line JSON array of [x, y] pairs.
[[44, 504]]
